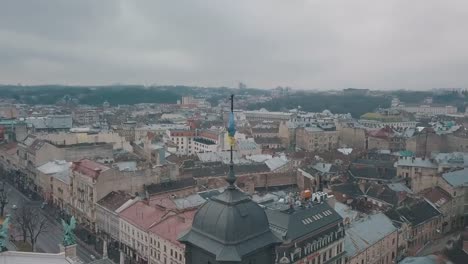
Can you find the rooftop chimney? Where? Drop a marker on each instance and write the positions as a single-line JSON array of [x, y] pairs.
[[331, 201]]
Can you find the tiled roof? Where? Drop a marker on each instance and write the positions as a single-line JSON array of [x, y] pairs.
[[142, 215], [437, 196], [89, 168], [173, 226]]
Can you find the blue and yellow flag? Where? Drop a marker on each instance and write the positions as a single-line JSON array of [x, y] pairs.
[[231, 129]]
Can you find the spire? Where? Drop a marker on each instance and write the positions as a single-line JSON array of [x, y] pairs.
[[231, 179]]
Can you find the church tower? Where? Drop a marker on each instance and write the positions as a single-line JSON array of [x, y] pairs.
[[230, 228]]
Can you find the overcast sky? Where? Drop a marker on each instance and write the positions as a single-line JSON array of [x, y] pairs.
[[320, 44]]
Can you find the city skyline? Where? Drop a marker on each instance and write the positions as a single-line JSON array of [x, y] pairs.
[[304, 45]]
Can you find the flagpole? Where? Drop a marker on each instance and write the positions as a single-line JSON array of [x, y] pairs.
[[231, 178]]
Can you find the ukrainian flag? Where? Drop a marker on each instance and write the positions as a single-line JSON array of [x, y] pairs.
[[231, 129]]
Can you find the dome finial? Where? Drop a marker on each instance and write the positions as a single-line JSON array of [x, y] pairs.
[[231, 178]]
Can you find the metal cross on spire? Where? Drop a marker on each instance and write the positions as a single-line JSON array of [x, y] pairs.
[[231, 132]]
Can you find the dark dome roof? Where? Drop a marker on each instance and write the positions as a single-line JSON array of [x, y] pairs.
[[231, 217], [230, 226]]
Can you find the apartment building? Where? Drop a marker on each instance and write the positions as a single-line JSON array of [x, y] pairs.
[[90, 182], [419, 173], [194, 141], [430, 110], [54, 183], [372, 239], [310, 235], [417, 223], [455, 183], [148, 233], [316, 139]]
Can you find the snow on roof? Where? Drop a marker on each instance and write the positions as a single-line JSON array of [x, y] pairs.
[[276, 162], [399, 187], [259, 157], [58, 169], [416, 162], [345, 151], [322, 167], [190, 201], [345, 211], [126, 165]]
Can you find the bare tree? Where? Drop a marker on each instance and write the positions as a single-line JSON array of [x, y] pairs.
[[21, 221], [3, 198], [31, 222]]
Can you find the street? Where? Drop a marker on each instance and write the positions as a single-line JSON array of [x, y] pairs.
[[47, 242], [437, 245]]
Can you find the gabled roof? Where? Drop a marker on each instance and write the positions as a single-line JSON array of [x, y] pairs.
[[414, 214], [172, 227], [89, 168], [437, 196], [371, 172], [383, 193], [143, 215], [350, 189]]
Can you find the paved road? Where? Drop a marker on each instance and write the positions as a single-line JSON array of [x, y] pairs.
[[437, 245], [47, 242]]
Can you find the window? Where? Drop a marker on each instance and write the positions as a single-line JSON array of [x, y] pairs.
[[329, 253], [324, 257]]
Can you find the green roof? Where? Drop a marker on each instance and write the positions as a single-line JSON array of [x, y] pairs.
[[406, 153]]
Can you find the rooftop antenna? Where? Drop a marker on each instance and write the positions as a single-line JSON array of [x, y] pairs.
[[231, 179]]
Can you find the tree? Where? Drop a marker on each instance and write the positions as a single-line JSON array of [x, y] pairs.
[[32, 223], [3, 198], [21, 221]]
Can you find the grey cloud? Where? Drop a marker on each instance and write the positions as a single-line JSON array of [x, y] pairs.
[[305, 43]]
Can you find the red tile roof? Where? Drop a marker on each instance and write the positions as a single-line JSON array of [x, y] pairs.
[[171, 227], [9, 148], [143, 215], [437, 196], [89, 168]]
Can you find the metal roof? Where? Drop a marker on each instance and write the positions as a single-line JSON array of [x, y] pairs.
[[294, 223], [366, 232], [457, 178], [230, 226]]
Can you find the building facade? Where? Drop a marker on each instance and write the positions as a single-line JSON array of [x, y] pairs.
[[316, 139], [310, 235]]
